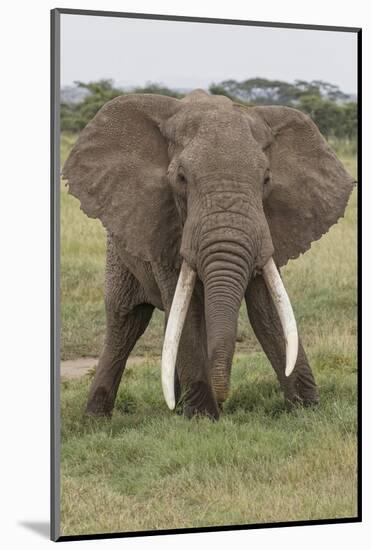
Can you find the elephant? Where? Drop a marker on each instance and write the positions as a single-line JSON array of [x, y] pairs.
[[203, 200]]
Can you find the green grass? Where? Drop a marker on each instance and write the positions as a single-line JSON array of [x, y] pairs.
[[150, 469]]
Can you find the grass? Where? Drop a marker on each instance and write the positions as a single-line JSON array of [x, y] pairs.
[[150, 469]]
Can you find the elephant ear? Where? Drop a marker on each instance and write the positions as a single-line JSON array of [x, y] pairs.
[[309, 186], [117, 169]]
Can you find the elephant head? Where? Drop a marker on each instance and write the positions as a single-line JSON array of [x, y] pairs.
[[220, 189]]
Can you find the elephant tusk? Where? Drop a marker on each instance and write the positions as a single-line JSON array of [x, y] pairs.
[[174, 327], [284, 309]]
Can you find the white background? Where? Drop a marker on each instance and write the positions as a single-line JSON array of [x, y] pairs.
[[24, 285]]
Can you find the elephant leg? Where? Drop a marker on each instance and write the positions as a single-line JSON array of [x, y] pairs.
[[193, 383], [127, 317], [122, 333], [300, 387]]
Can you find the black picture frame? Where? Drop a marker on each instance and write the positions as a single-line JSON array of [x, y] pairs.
[[55, 272]]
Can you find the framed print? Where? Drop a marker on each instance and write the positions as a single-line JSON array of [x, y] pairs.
[[205, 281]]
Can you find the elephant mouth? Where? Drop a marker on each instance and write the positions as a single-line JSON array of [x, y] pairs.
[[178, 312]]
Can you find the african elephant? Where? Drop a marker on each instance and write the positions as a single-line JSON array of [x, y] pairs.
[[203, 199]]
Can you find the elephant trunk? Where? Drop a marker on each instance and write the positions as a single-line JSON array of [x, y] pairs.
[[224, 290], [225, 274], [222, 304]]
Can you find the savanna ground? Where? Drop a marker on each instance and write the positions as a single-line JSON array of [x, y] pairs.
[[147, 468]]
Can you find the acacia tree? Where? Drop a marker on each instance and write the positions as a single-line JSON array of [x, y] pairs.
[[325, 103]]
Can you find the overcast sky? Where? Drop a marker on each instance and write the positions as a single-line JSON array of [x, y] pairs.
[[191, 55]]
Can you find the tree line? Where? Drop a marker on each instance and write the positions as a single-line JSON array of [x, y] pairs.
[[334, 112]]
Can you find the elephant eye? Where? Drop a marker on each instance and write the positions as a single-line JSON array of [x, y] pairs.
[[181, 177], [267, 177]]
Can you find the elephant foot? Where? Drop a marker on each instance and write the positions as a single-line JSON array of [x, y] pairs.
[[99, 404], [297, 402], [309, 397], [303, 391], [200, 401], [307, 389], [300, 398]]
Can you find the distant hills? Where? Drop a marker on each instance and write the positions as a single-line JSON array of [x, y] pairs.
[[73, 94]]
